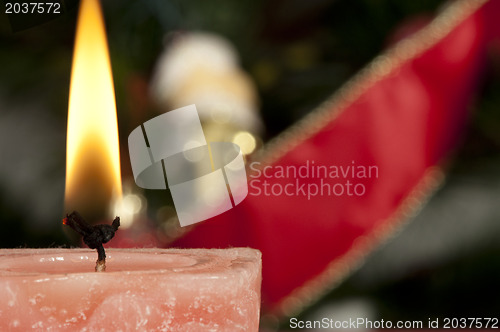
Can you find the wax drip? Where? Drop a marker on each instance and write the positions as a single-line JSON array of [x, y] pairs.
[[93, 235]]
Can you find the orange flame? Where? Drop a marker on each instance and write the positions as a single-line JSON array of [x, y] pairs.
[[93, 178]]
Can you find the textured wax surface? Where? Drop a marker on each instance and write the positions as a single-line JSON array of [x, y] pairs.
[[142, 289]]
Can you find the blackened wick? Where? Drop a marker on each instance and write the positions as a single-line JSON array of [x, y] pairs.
[[93, 235]]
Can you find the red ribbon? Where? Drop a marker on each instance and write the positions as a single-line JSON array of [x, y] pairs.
[[403, 114]]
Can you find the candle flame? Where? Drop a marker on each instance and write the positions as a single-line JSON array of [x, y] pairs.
[[93, 177]]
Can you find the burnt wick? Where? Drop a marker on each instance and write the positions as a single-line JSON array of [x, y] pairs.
[[93, 235]]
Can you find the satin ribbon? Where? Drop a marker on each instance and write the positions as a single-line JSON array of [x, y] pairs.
[[403, 113]]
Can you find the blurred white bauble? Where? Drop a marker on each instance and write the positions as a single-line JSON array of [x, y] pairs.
[[185, 56], [202, 69]]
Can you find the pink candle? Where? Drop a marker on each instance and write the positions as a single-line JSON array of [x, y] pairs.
[[142, 289]]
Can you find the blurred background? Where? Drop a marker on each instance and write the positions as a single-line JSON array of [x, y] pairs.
[[273, 62]]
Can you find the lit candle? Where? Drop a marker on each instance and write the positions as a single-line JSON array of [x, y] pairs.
[[141, 289], [93, 177]]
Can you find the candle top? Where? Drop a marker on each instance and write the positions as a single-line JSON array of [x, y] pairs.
[[36, 262]]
